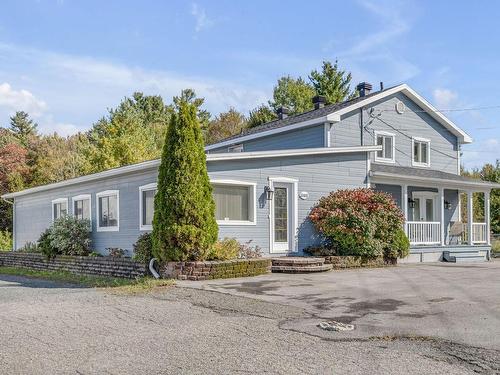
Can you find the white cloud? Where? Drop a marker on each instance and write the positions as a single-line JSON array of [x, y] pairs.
[[20, 100], [444, 98], [201, 18]]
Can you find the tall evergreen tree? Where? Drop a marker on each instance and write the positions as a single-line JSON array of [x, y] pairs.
[[332, 82], [23, 127], [184, 225]]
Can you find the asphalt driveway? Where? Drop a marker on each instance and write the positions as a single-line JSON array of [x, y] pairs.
[[259, 325], [456, 302]]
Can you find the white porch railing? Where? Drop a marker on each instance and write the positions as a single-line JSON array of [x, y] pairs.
[[478, 233], [424, 232]]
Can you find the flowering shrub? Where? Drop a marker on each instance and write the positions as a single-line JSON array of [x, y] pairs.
[[358, 222], [230, 248]]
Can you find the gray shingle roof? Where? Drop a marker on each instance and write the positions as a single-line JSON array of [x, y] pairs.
[[420, 172], [315, 113]]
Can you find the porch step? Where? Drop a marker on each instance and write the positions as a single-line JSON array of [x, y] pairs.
[[463, 256], [470, 258], [299, 265]]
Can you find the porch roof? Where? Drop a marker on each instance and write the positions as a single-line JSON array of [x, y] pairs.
[[421, 175]]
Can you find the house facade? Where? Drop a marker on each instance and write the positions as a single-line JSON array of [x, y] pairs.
[[266, 180]]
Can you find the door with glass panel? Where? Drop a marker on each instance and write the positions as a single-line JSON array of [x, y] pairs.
[[281, 218], [424, 206]]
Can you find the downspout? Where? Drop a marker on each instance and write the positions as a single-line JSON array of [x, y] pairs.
[[13, 222]]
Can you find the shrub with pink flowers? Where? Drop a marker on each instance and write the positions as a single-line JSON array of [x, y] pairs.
[[360, 222]]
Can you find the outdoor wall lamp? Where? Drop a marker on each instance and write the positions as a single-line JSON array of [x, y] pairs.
[[411, 203], [447, 205], [269, 193]]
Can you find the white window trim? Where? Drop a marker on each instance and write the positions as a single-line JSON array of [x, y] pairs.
[[148, 187], [422, 140], [294, 193], [59, 200], [252, 204], [102, 194], [383, 159], [82, 197]]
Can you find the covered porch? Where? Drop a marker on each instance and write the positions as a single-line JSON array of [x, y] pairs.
[[441, 220]]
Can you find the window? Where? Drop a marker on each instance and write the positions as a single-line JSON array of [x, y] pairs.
[[59, 208], [234, 202], [108, 211], [146, 206], [235, 148], [421, 152], [387, 141], [81, 207]]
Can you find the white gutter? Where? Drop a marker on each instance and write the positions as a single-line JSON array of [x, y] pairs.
[[209, 157], [453, 184]]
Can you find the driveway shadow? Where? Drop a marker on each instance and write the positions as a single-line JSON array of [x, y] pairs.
[[9, 281]]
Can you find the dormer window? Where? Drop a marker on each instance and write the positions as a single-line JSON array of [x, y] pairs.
[[387, 141], [421, 149]]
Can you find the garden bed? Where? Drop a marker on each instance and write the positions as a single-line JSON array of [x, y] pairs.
[[349, 261], [101, 266], [216, 269]]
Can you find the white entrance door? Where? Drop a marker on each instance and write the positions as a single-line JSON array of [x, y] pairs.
[[425, 206], [282, 220]]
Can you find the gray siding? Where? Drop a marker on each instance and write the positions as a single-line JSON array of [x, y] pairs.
[[412, 123], [309, 137], [317, 175]]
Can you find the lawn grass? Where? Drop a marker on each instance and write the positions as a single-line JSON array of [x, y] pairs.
[[115, 284], [495, 246]]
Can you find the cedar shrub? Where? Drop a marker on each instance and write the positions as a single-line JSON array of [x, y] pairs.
[[184, 225]]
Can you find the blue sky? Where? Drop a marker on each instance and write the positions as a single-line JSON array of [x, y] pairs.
[[66, 62]]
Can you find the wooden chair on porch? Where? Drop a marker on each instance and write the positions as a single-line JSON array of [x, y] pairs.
[[457, 233]]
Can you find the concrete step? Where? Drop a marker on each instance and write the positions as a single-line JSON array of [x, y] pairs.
[[298, 261], [467, 255], [477, 258], [302, 269]]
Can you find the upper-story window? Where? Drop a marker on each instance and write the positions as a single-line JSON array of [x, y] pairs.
[[146, 206], [108, 211], [234, 202], [421, 152], [59, 208], [387, 141], [235, 148]]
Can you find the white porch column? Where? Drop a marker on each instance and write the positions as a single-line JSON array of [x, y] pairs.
[[441, 215], [487, 218], [470, 215], [404, 205]]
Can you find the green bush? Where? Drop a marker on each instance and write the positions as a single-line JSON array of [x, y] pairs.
[[400, 246], [184, 225], [70, 236], [143, 248], [225, 249], [45, 245], [29, 247], [357, 222], [320, 251], [5, 241], [495, 246]]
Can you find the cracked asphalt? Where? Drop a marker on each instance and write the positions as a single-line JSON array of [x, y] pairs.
[[50, 328]]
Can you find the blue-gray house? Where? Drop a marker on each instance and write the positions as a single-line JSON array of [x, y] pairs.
[[266, 179]]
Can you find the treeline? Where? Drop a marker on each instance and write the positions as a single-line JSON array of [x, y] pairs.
[[135, 131]]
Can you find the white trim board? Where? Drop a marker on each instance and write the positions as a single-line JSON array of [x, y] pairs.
[[210, 158]]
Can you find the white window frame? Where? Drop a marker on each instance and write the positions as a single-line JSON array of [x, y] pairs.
[[386, 134], [252, 202], [82, 197], [108, 193], [148, 187], [56, 201], [236, 148], [420, 140]]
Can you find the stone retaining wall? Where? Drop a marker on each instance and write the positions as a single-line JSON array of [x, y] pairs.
[[341, 262], [101, 266], [216, 269]]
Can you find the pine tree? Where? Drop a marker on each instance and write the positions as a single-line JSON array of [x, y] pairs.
[[184, 225], [23, 127], [332, 83]]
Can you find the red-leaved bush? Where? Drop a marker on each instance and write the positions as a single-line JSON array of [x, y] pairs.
[[358, 222]]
